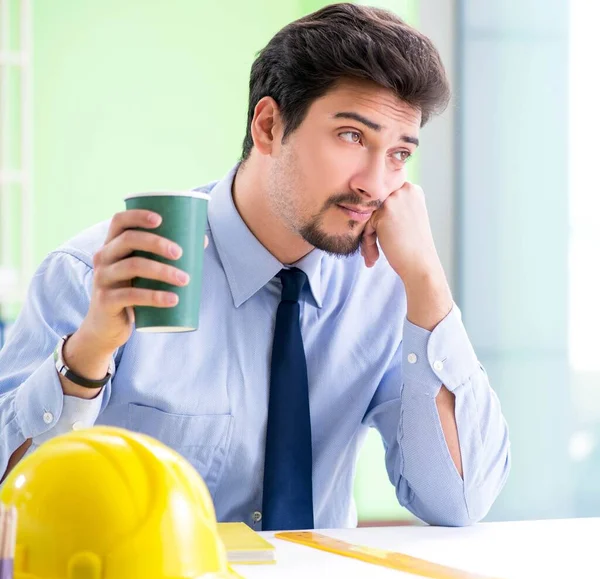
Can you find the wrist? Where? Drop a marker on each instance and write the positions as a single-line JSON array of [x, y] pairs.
[[428, 280], [429, 299], [84, 359]]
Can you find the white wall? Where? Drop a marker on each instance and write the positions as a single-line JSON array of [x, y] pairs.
[[513, 234], [437, 19]]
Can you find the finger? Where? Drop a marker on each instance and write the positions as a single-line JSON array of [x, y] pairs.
[[369, 248], [125, 297], [131, 240], [130, 219], [369, 235], [371, 255], [205, 241], [127, 269]]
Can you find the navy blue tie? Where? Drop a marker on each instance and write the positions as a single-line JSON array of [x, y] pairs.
[[287, 487]]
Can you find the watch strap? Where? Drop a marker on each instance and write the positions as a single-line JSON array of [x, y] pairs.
[[63, 369]]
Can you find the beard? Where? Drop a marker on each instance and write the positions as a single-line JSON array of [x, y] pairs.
[[337, 245]]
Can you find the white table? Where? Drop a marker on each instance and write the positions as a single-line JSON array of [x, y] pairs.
[[569, 549]]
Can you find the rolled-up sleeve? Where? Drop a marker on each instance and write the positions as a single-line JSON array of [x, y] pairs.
[[404, 411], [32, 404]]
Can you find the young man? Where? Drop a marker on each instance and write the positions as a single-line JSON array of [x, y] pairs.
[[300, 351]]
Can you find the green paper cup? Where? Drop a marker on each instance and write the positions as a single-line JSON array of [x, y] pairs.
[[184, 222]]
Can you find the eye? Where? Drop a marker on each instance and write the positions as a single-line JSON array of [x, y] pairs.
[[351, 136], [402, 156]]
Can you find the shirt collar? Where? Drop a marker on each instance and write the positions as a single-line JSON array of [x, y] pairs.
[[248, 265]]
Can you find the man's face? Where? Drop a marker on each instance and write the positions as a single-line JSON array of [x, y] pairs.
[[340, 165]]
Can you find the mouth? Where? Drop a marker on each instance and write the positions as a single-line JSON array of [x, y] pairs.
[[356, 213]]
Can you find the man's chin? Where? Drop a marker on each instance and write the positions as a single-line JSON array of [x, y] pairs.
[[339, 245]]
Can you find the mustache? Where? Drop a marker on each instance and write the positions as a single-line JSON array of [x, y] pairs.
[[350, 199]]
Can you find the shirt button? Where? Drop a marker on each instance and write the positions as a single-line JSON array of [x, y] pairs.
[[256, 516], [78, 425], [438, 365], [412, 358], [48, 417]]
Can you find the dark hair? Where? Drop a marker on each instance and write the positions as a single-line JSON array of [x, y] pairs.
[[308, 56]]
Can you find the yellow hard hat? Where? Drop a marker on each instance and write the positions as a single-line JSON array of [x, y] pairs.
[[112, 504]]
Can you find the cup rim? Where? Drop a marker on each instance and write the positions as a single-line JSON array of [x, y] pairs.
[[195, 194]]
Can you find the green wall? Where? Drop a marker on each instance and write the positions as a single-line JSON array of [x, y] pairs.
[[138, 95], [132, 96]]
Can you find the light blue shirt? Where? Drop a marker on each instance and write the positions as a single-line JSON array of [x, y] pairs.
[[205, 393]]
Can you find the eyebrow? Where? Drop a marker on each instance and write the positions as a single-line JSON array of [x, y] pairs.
[[373, 125]]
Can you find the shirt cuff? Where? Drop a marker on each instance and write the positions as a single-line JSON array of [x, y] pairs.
[[77, 413], [442, 356], [43, 411], [39, 400]]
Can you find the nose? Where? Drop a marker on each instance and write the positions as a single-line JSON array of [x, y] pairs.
[[375, 181]]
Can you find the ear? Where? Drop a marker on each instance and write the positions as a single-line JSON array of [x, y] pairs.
[[267, 126]]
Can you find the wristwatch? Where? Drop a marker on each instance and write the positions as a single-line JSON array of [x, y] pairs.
[[64, 370]]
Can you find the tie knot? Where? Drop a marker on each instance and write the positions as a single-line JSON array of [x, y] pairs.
[[293, 281]]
